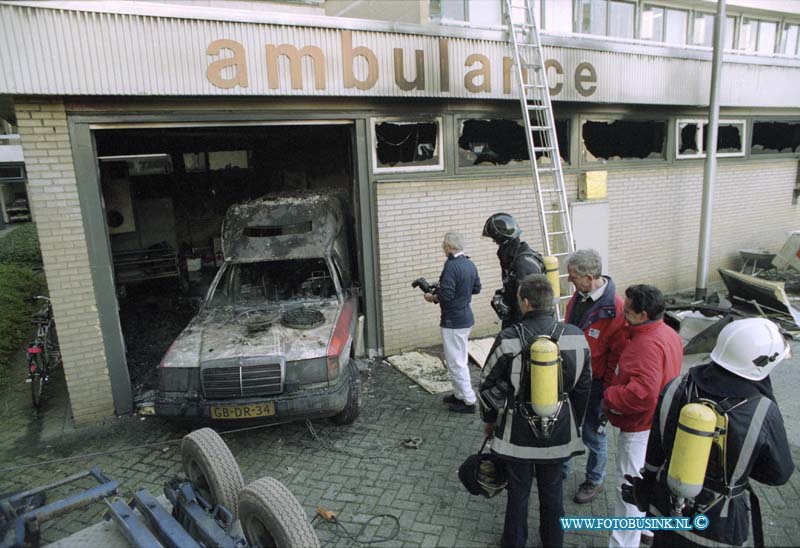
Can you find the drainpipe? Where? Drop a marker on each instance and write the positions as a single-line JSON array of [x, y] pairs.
[[710, 172]]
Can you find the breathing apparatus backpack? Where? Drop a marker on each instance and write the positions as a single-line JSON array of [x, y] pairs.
[[698, 476], [541, 388]]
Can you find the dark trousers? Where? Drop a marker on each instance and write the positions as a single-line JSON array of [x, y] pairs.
[[551, 503]]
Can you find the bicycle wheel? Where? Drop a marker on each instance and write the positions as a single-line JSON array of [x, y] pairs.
[[37, 382]]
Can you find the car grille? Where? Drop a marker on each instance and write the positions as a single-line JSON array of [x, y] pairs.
[[239, 379]]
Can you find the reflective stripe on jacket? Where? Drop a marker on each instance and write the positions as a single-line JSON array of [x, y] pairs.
[[756, 448], [513, 435]]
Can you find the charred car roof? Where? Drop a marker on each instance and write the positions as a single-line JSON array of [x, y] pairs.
[[295, 225]]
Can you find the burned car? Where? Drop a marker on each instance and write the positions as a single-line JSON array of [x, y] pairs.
[[274, 337]]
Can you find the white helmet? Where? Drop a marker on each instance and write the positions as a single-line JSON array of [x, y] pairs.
[[750, 348]]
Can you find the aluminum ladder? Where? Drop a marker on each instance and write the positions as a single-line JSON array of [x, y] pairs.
[[540, 133]]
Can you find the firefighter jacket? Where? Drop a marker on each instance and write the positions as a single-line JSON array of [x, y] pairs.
[[517, 260], [605, 328], [756, 447], [652, 358], [514, 438]]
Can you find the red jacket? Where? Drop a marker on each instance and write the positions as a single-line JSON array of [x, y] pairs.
[[604, 327], [652, 358]]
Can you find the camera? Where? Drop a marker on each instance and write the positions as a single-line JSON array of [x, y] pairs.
[[501, 309], [426, 287]]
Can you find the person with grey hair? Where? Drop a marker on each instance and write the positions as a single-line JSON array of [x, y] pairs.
[[458, 282], [598, 311]]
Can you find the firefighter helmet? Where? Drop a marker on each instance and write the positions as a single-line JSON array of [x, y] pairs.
[[483, 474], [750, 348], [501, 227]]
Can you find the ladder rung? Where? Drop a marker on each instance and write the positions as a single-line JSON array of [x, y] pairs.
[[524, 45], [553, 212], [550, 190], [537, 86], [541, 149], [540, 128], [536, 107], [559, 233], [547, 169]]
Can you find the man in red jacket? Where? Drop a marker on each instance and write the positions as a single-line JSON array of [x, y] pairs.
[[596, 309], [652, 358]]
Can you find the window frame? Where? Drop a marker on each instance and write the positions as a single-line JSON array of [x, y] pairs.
[[767, 155], [627, 162], [419, 119], [521, 167], [577, 16], [700, 123], [789, 23]]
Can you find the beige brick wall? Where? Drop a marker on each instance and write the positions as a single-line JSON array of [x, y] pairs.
[[54, 201], [654, 217]]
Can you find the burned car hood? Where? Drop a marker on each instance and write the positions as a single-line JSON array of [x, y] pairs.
[[219, 332]]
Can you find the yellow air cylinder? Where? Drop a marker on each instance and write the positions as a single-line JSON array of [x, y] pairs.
[[687, 466], [544, 377], [551, 271]]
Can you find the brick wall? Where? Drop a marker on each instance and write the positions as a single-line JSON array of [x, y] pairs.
[[654, 219], [54, 201]]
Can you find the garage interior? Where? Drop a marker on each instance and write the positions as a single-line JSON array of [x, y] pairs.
[[166, 191]]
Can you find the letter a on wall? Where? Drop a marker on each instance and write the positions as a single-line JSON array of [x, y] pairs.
[[238, 62]]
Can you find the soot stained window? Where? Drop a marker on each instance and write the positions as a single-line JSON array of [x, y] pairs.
[[615, 140], [500, 142], [407, 146], [693, 138], [775, 137]]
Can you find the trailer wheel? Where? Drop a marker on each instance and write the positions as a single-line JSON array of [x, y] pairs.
[[212, 469], [272, 517], [349, 414]]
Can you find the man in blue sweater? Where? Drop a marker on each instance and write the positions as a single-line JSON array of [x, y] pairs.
[[458, 282]]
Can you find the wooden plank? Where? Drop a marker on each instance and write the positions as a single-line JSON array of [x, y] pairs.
[[479, 350], [427, 371]]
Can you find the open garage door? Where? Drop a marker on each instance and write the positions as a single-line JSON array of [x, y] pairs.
[[166, 191]]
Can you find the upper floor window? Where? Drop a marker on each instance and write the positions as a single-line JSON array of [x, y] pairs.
[[484, 13], [665, 24], [607, 17], [789, 39], [758, 36]]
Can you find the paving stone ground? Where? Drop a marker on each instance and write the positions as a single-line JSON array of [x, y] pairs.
[[359, 471]]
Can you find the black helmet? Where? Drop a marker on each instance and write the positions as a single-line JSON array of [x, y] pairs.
[[483, 474], [501, 227]]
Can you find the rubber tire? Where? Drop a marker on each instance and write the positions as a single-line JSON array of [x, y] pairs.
[[212, 469], [267, 506], [37, 385], [349, 414]]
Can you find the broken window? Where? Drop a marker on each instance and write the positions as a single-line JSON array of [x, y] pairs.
[[623, 139], [253, 284], [693, 138], [775, 137], [499, 142], [407, 146]]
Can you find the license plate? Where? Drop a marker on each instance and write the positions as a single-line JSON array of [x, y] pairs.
[[251, 411]]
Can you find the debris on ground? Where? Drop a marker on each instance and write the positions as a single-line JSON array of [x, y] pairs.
[[478, 350], [425, 370]]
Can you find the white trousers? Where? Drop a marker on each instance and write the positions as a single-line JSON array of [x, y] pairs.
[[454, 342], [631, 452]]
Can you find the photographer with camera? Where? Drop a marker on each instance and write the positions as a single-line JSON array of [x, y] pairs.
[[517, 260], [458, 282]]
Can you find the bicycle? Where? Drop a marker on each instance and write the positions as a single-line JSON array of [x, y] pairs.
[[43, 353]]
